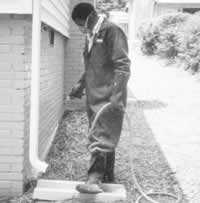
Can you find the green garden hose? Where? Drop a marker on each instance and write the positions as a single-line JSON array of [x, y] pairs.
[[143, 195]]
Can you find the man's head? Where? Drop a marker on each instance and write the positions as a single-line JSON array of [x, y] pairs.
[[81, 14]]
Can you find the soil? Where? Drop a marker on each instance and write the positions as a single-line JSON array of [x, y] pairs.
[[68, 157]]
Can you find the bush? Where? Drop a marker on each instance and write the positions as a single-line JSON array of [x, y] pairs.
[[171, 20], [190, 49], [168, 44], [149, 36], [173, 36], [190, 53], [160, 36]]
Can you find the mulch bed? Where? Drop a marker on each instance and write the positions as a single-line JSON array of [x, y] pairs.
[[68, 157]]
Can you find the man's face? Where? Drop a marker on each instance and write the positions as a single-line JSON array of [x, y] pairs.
[[81, 25]]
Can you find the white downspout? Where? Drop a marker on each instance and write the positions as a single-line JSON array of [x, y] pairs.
[[95, 3], [131, 31], [38, 165]]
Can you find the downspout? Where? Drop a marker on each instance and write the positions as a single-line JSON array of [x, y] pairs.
[[131, 28], [38, 165], [95, 3], [155, 8]]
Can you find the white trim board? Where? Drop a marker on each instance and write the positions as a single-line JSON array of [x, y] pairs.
[[55, 13], [179, 3], [16, 7]]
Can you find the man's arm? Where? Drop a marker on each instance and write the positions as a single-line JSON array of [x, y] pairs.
[[82, 81], [118, 54], [77, 90]]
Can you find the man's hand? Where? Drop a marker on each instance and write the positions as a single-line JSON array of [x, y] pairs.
[[116, 103], [76, 92]]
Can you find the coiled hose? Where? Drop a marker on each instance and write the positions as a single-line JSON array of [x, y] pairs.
[[143, 195]]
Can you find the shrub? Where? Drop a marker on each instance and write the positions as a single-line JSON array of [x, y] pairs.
[[149, 36], [173, 36], [171, 20], [169, 44], [190, 53], [160, 36], [190, 47]]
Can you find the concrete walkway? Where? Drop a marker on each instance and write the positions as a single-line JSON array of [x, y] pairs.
[[176, 125]]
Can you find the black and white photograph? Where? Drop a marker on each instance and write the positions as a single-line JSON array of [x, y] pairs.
[[99, 101]]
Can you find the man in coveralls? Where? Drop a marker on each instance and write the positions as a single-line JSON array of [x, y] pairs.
[[107, 70]]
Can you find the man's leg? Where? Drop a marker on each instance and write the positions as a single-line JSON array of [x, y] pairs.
[[102, 143], [109, 176], [96, 169], [95, 175]]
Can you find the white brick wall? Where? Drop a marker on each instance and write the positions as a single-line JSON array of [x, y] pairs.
[[13, 80], [52, 87], [15, 59], [52, 90], [61, 66]]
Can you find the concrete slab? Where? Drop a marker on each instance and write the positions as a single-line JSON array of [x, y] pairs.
[[175, 124], [56, 190]]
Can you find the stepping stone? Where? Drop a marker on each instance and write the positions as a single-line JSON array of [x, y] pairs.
[[56, 190]]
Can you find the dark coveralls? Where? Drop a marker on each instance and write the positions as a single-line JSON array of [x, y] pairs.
[[107, 69]]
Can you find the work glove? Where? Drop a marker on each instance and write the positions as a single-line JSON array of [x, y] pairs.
[[77, 91]]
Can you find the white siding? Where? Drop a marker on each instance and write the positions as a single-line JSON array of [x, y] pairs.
[[162, 4], [55, 13], [166, 6], [179, 1], [163, 9]]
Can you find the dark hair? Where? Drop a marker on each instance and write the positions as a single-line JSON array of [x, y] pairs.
[[82, 11]]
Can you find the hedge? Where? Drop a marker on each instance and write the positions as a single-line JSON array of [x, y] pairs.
[[174, 36]]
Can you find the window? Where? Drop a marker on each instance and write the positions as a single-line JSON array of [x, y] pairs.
[[191, 10]]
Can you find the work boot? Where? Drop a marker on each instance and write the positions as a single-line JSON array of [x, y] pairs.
[[92, 186], [109, 178]]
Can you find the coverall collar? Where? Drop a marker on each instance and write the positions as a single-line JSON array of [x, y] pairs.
[[95, 30]]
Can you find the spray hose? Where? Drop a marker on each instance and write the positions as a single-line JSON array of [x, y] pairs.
[[143, 195]]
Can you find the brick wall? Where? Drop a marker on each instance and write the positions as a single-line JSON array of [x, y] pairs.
[[57, 77], [74, 61], [15, 61], [51, 89], [13, 81]]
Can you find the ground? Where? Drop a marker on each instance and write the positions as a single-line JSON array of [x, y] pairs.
[[175, 124], [164, 110], [69, 158]]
